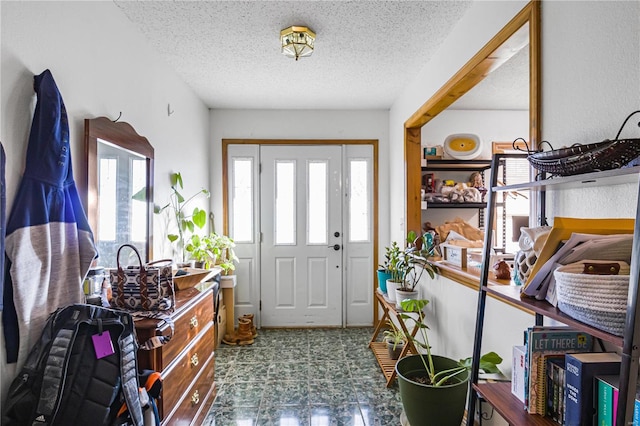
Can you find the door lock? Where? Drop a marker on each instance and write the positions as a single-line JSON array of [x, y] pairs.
[[336, 234]]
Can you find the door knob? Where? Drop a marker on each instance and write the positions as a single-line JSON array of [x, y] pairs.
[[336, 247]]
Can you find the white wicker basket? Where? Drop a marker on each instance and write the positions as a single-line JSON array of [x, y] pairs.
[[597, 300]]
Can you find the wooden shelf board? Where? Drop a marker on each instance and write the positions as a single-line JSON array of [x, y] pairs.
[[512, 294], [456, 205], [507, 405], [613, 177], [387, 364], [457, 165]]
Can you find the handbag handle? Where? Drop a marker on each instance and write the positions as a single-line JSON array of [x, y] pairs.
[[144, 295]]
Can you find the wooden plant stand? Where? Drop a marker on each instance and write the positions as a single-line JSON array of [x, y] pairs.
[[379, 349]]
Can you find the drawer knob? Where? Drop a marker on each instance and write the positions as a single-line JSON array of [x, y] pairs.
[[193, 322], [195, 398], [194, 360]]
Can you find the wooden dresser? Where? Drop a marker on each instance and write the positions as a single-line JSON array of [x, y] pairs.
[[186, 362]]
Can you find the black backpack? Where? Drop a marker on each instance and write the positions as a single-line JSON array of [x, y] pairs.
[[63, 382]]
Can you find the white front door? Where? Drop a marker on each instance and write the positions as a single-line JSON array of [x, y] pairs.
[[284, 222], [301, 224]]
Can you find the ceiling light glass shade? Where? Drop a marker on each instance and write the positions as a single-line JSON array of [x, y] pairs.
[[297, 42]]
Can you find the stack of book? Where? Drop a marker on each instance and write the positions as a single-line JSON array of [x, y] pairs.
[[555, 375]]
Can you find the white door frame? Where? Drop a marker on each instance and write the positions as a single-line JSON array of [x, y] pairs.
[[244, 302]]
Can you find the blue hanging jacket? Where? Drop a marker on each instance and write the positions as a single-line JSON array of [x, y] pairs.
[[49, 245]]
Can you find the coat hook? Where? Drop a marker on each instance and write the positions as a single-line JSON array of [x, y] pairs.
[[169, 111], [119, 115]]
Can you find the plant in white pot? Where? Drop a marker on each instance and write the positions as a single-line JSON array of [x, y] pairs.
[[433, 388], [412, 263], [396, 275], [394, 336]]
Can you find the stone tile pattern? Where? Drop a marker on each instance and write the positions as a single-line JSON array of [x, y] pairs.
[[301, 377]]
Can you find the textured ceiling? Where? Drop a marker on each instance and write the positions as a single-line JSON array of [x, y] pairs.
[[229, 53]]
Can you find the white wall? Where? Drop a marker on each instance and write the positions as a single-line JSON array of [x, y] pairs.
[[301, 124], [590, 83], [102, 67]]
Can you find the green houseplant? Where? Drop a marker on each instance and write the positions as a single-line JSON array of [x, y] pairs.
[[394, 336], [186, 220], [434, 388], [213, 250], [413, 261], [396, 276]]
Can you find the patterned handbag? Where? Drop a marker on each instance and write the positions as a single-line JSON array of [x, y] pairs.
[[142, 288]]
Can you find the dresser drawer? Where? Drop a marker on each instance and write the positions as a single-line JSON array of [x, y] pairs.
[[192, 409], [181, 373], [187, 326]]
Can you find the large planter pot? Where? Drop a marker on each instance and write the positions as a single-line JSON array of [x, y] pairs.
[[383, 276], [403, 294], [427, 405], [391, 290]]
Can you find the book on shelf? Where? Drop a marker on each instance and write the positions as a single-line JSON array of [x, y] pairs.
[[519, 358], [581, 370], [555, 388], [543, 342], [607, 400]]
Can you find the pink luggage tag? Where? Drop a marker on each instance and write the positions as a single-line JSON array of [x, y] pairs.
[[102, 344]]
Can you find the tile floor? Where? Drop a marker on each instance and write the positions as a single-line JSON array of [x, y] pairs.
[[300, 377]]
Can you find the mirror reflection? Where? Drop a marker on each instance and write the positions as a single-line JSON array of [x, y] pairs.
[[119, 172]]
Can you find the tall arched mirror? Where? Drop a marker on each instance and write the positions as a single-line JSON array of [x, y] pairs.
[[522, 32], [120, 188]]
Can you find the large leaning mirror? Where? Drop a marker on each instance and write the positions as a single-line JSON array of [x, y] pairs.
[[120, 188]]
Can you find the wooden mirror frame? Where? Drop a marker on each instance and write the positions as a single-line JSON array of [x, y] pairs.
[[496, 52], [124, 136]]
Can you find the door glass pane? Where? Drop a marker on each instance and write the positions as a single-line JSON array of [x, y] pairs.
[[359, 201], [242, 200], [285, 203], [317, 203], [107, 193], [138, 218]]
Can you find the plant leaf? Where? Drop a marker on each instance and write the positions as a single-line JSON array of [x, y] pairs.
[[140, 195], [199, 217], [172, 237]]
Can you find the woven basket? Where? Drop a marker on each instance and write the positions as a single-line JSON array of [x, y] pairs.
[[597, 300], [606, 155]]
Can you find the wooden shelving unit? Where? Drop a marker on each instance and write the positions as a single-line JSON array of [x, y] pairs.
[[457, 166], [379, 349], [499, 395]]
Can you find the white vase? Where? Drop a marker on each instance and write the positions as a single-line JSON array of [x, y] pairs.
[[391, 290], [402, 295]]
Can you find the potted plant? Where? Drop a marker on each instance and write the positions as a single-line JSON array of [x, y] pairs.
[[201, 249], [224, 248], [395, 275], [412, 263], [384, 272], [213, 250], [185, 220], [395, 339], [434, 388]]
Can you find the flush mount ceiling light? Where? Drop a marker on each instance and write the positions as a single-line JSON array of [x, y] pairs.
[[297, 42]]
